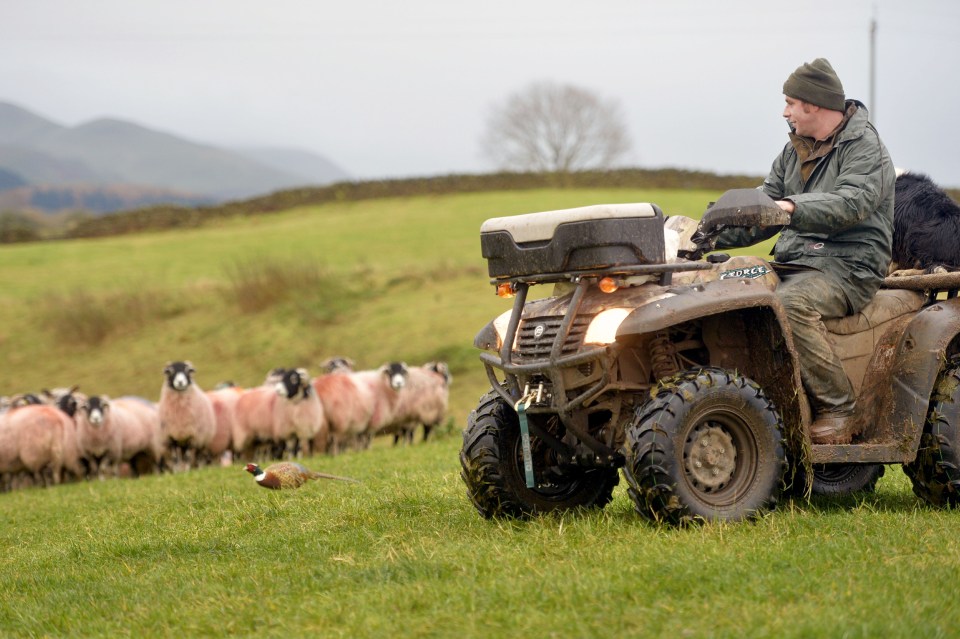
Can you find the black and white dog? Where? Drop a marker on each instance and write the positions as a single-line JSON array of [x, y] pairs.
[[926, 226]]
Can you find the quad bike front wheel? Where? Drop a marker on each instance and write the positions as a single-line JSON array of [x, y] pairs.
[[935, 472], [491, 462], [708, 446]]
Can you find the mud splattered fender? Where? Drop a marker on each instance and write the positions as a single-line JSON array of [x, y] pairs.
[[685, 303], [921, 354]]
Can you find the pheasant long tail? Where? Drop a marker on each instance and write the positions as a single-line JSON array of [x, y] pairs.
[[317, 475]]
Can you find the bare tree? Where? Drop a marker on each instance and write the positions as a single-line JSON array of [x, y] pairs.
[[555, 128]]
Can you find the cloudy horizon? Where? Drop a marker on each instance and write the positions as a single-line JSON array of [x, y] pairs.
[[399, 90]]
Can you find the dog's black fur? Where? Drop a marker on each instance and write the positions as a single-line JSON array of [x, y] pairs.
[[926, 225]]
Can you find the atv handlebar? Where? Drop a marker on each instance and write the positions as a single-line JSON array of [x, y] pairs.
[[736, 207], [743, 207]]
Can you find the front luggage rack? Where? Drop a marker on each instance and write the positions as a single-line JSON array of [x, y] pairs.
[[665, 270]]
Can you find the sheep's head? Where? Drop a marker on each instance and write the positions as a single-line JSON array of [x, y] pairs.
[[396, 373], [68, 404], [337, 365], [55, 395], [96, 409], [441, 369], [25, 399], [295, 381], [67, 399], [179, 375]]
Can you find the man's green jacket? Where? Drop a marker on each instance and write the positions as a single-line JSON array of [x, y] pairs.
[[843, 223]]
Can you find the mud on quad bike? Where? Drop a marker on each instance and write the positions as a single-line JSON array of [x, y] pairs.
[[681, 371]]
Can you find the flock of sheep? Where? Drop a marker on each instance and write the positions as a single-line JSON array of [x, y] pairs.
[[63, 434]]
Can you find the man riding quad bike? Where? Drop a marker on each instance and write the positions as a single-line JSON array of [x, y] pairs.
[[682, 372]]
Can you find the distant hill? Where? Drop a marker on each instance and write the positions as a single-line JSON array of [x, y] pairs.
[[18, 125], [313, 168], [41, 168], [10, 180], [93, 199], [112, 156]]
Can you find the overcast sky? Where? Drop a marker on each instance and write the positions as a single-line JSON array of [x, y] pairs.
[[395, 89]]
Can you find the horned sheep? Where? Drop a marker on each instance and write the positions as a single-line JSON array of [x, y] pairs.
[[423, 401], [385, 385], [284, 414], [99, 440], [187, 418], [299, 418]]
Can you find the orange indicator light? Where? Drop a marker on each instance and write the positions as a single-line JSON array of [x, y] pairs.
[[608, 285], [505, 290]]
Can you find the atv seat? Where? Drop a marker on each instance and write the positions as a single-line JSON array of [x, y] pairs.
[[854, 338], [888, 304]]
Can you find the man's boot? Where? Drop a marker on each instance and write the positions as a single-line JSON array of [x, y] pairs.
[[834, 428]]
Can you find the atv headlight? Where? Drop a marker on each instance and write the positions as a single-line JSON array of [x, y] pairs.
[[603, 328], [492, 335]]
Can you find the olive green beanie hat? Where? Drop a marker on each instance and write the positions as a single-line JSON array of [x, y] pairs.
[[817, 83]]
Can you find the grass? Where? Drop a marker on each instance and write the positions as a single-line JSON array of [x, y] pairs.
[[257, 285], [208, 553]]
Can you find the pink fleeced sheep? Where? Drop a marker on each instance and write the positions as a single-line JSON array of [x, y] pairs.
[[187, 419], [429, 407], [99, 442], [298, 417], [40, 440], [9, 451], [423, 401], [443, 397], [385, 384], [224, 401], [348, 405], [141, 439], [253, 420]]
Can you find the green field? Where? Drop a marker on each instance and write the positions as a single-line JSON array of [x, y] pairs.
[[208, 553]]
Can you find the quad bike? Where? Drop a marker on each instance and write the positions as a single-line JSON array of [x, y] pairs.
[[681, 371]]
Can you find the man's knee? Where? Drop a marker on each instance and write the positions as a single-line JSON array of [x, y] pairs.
[[812, 294], [799, 301], [795, 297]]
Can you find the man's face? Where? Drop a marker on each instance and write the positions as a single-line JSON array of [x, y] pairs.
[[800, 116]]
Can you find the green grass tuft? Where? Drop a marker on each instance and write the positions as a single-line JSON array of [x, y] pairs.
[[257, 285], [88, 318]]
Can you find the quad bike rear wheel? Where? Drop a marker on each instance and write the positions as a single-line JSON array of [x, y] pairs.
[[708, 446], [491, 462], [844, 479], [935, 472]]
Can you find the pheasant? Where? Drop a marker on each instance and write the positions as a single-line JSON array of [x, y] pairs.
[[288, 475]]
